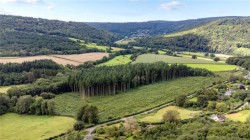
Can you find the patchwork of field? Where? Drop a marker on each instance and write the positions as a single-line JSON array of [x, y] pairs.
[[136, 100], [240, 116], [205, 63], [4, 89], [31, 127], [158, 116], [74, 59], [118, 60]]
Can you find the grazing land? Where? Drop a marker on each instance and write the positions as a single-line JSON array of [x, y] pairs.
[[239, 116], [151, 58], [157, 117], [214, 67], [30, 127], [101, 47], [118, 60], [136, 100], [4, 89], [74, 59]]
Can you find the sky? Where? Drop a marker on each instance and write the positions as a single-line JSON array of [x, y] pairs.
[[124, 10]]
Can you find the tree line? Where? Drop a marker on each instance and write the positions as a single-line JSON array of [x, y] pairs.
[[110, 80], [240, 61], [26, 105], [27, 72]]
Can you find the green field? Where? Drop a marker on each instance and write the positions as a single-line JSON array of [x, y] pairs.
[[239, 116], [157, 117], [214, 67], [195, 63], [135, 100], [94, 45], [118, 60], [151, 58], [31, 127], [4, 89], [101, 47]]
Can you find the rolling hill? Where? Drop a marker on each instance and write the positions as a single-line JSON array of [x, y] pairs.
[[150, 28], [22, 36], [229, 35]]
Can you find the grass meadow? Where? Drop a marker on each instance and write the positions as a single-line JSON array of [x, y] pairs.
[[195, 63], [31, 127], [240, 116], [118, 60], [135, 100], [158, 116]]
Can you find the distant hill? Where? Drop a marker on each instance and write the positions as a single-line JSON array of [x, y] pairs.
[[22, 36], [229, 35], [150, 28]]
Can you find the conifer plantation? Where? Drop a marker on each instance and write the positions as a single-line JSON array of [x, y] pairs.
[[110, 80]]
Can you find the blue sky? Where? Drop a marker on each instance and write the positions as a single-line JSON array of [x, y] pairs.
[[124, 10]]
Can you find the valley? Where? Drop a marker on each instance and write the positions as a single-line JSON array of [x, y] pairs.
[[182, 80]]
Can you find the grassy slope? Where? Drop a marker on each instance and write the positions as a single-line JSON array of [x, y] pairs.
[[239, 116], [30, 127], [195, 63], [157, 117], [224, 35], [94, 45], [214, 67], [4, 89], [118, 60], [150, 58], [135, 100]]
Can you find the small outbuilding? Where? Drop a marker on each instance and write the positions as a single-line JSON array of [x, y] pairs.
[[218, 118]]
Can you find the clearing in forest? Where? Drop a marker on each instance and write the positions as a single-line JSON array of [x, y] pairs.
[[31, 127], [118, 60], [239, 116], [73, 59], [158, 116]]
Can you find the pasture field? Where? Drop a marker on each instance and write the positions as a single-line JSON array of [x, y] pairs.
[[118, 60], [157, 117], [151, 58], [240, 116], [135, 100], [193, 99], [214, 67], [4, 89], [101, 47], [161, 52], [94, 45], [74, 59], [30, 127], [124, 41]]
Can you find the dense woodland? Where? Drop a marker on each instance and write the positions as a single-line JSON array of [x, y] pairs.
[[24, 36], [110, 80], [139, 29], [189, 42], [27, 72], [240, 61]]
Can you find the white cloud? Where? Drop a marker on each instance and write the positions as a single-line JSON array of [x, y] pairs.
[[28, 2], [173, 5]]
